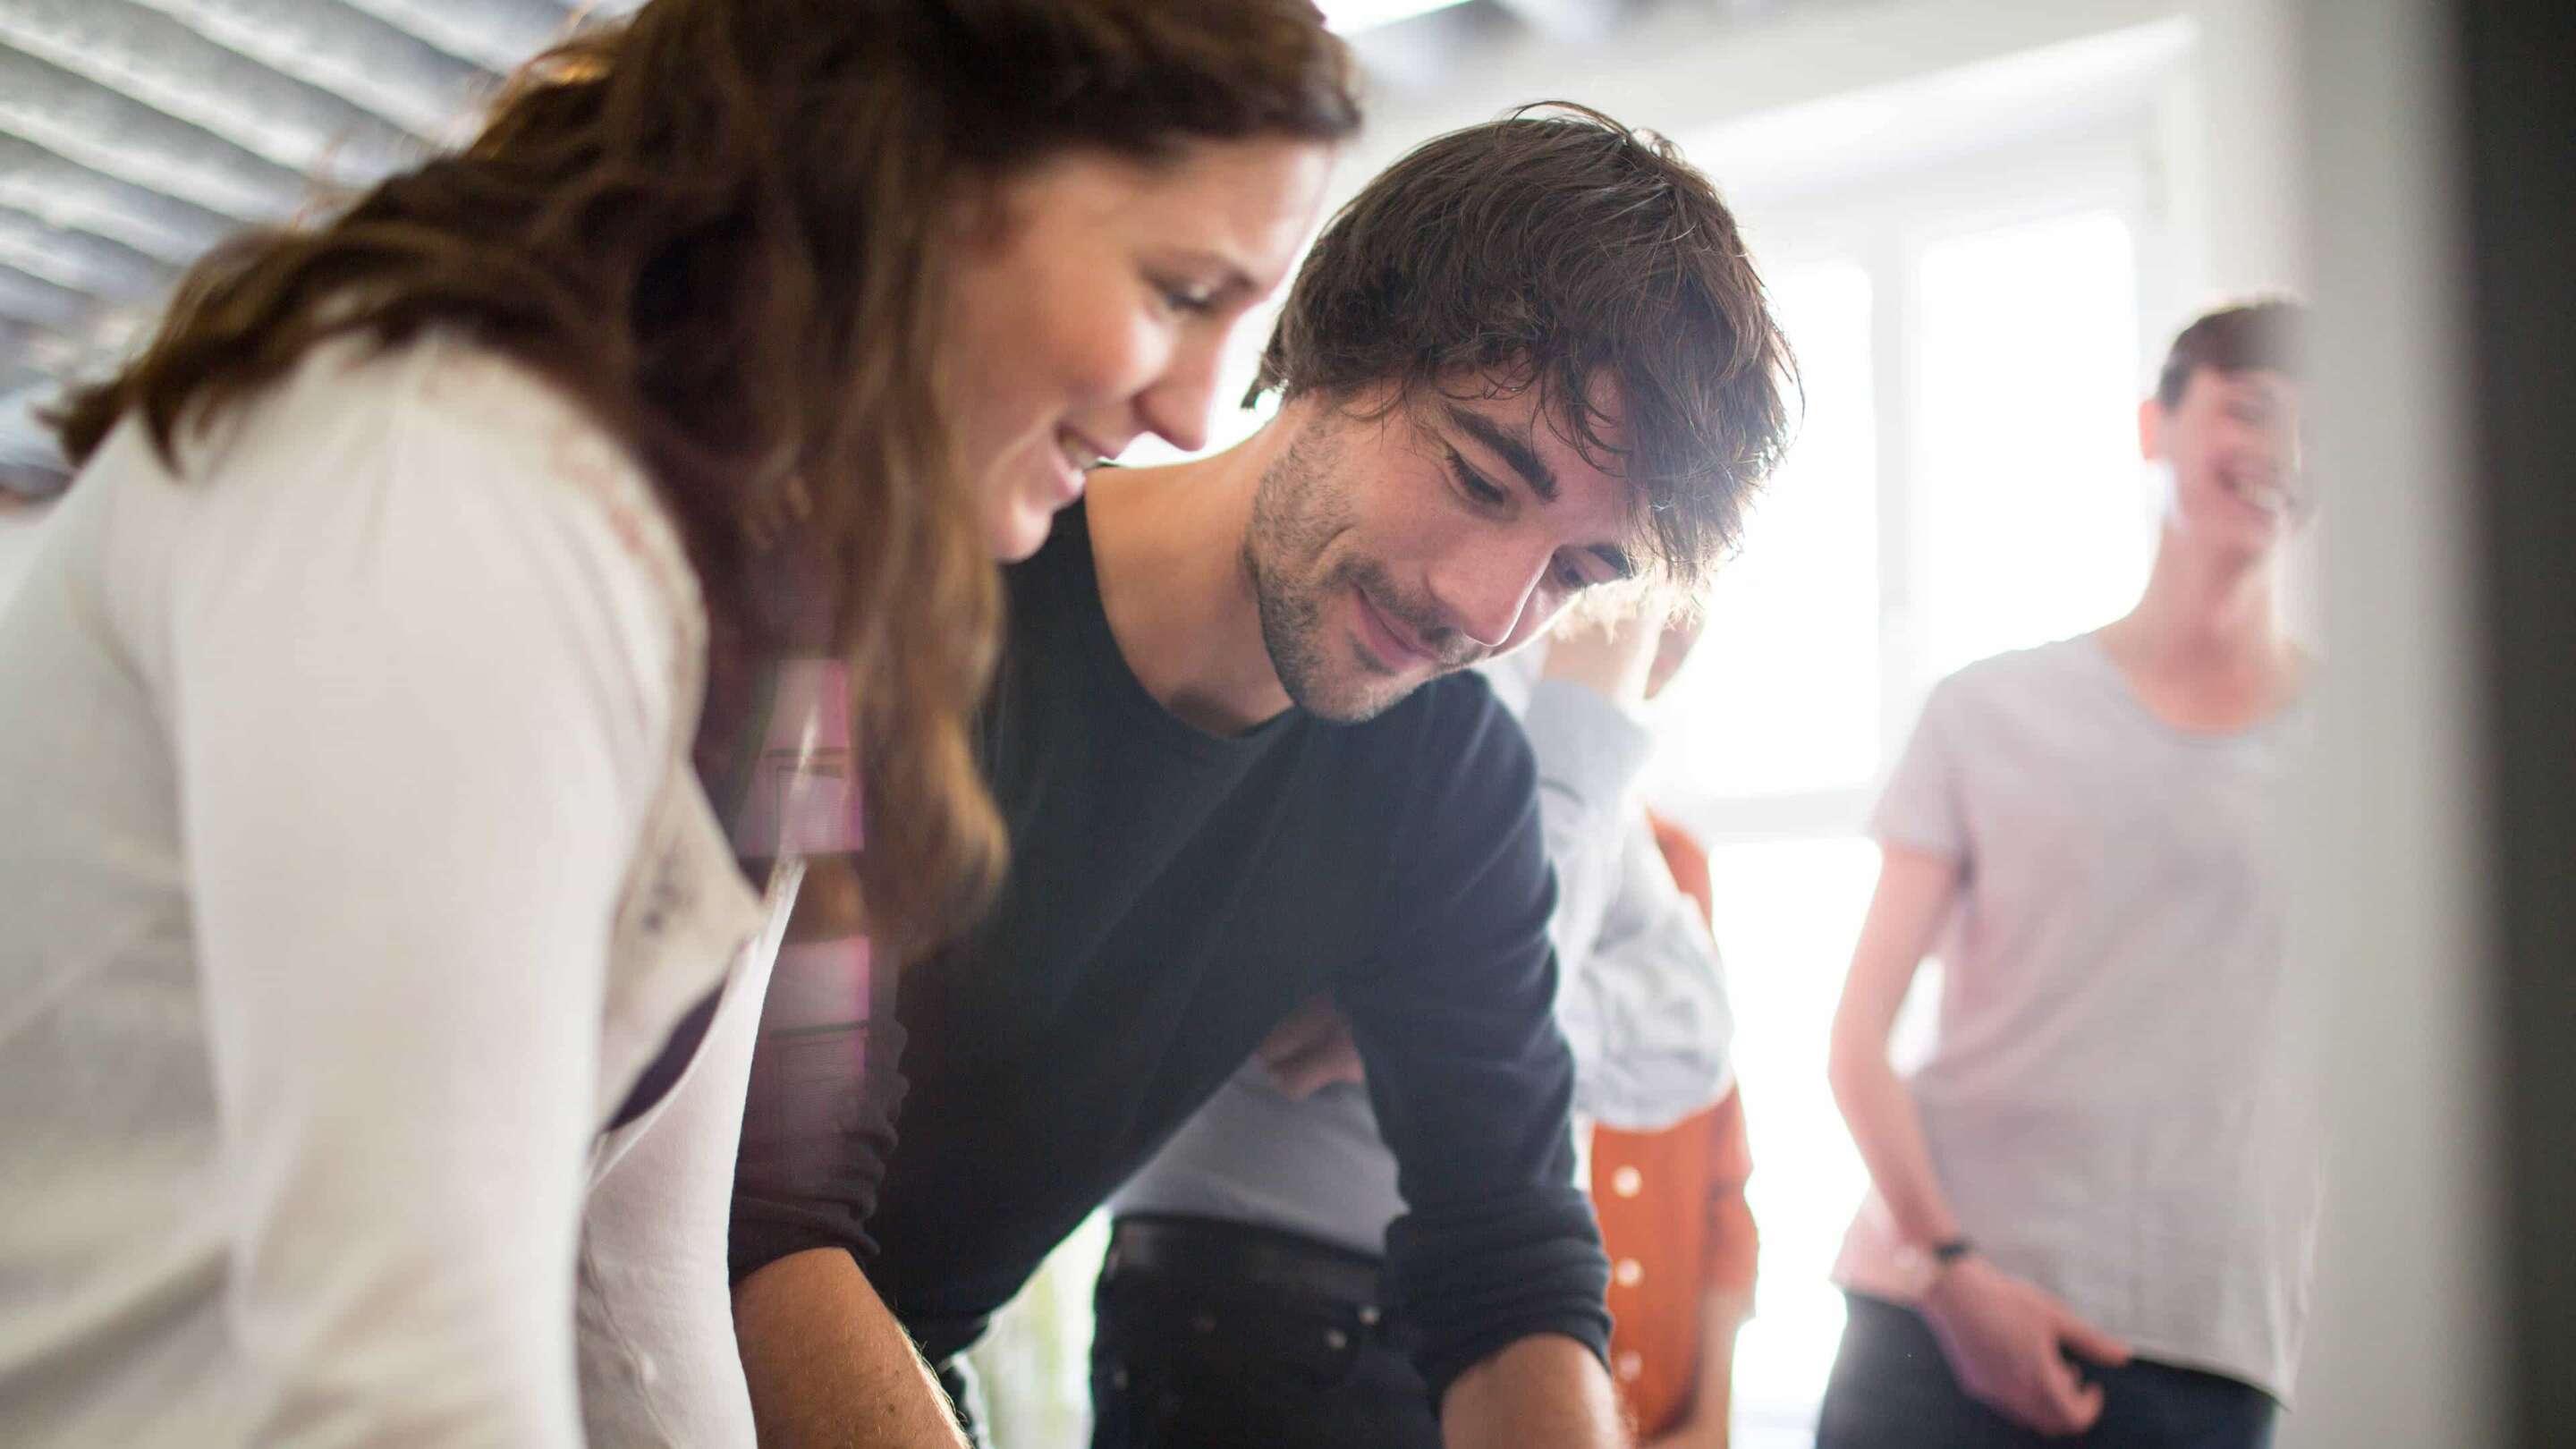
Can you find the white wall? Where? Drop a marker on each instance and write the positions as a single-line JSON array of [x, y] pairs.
[[1806, 79], [2408, 1332]]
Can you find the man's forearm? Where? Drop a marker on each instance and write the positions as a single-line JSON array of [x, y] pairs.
[[1544, 1392], [829, 1367]]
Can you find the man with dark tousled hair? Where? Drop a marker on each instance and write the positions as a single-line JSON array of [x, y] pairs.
[[1242, 769]]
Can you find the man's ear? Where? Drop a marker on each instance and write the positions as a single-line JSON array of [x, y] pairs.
[[2151, 429]]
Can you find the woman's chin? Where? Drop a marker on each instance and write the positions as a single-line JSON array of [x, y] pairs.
[[1018, 530]]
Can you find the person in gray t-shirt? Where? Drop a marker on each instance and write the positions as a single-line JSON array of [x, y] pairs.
[[2092, 1207]]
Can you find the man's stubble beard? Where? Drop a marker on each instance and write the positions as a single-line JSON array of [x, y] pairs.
[[1295, 517]]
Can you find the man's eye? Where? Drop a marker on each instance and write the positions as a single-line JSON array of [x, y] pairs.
[[1476, 487]]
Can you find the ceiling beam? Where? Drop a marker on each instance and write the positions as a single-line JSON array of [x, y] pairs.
[[49, 305], [108, 131], [497, 35], [164, 66], [360, 61], [83, 261], [63, 193], [1573, 20], [26, 346]]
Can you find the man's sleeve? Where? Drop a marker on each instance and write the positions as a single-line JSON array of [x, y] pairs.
[[1647, 1012], [1643, 999], [1589, 752], [1470, 1076], [818, 1121]]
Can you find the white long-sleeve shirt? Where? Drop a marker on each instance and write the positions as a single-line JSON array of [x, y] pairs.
[[351, 869]]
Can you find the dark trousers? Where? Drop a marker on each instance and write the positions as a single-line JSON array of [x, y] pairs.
[[1892, 1389], [966, 1396], [1224, 1342]]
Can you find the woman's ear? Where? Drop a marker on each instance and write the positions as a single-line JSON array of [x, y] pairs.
[[980, 213]]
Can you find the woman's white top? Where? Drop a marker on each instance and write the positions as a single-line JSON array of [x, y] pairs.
[[2120, 1101], [351, 869]]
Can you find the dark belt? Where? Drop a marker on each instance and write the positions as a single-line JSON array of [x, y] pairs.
[[1207, 1253]]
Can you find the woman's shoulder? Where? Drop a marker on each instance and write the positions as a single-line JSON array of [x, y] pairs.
[[468, 441], [422, 483]]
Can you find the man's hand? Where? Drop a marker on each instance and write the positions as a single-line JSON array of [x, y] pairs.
[[1673, 650], [1311, 1050], [1614, 655], [2009, 1344]]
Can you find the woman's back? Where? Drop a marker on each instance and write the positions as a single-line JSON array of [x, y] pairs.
[[349, 739]]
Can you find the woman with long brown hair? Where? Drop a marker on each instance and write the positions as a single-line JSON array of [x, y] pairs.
[[429, 580]]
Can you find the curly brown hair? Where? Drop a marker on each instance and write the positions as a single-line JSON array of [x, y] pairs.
[[1556, 248], [715, 225]]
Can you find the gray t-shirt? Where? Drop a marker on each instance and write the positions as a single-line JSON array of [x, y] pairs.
[[2118, 1101]]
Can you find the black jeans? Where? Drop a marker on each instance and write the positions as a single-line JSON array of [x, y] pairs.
[[966, 1396], [1198, 1362], [1892, 1389]]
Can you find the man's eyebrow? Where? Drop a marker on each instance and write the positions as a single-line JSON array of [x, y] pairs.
[[1514, 449]]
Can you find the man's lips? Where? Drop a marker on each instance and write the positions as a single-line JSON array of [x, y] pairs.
[[1393, 644]]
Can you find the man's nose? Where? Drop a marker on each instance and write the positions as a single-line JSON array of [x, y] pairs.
[[1484, 594]]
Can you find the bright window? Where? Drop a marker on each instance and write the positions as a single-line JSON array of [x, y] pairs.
[[1966, 482], [2030, 523], [1786, 913], [1782, 694]]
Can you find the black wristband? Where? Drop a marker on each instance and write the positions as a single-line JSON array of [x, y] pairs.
[[1951, 1250]]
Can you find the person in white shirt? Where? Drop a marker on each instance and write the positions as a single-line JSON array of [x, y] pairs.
[[379, 972], [2093, 1206]]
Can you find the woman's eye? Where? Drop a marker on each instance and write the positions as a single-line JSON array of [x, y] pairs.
[[1184, 299], [1571, 579]]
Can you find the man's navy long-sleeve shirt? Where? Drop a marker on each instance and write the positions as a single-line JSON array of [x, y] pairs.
[[1172, 896]]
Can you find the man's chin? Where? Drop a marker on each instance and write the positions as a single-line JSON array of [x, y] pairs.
[[1356, 695]]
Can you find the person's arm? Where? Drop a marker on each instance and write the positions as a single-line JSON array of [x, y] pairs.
[[1646, 1011], [1914, 898], [416, 735], [826, 1362], [1591, 747], [1707, 1425], [1644, 1000], [2005, 1338], [1541, 1390], [829, 1366], [1473, 1086]]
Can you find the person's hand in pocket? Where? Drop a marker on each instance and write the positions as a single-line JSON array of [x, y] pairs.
[[2014, 1347]]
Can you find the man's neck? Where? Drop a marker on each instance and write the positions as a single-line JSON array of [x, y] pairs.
[[2208, 642], [1167, 544]]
